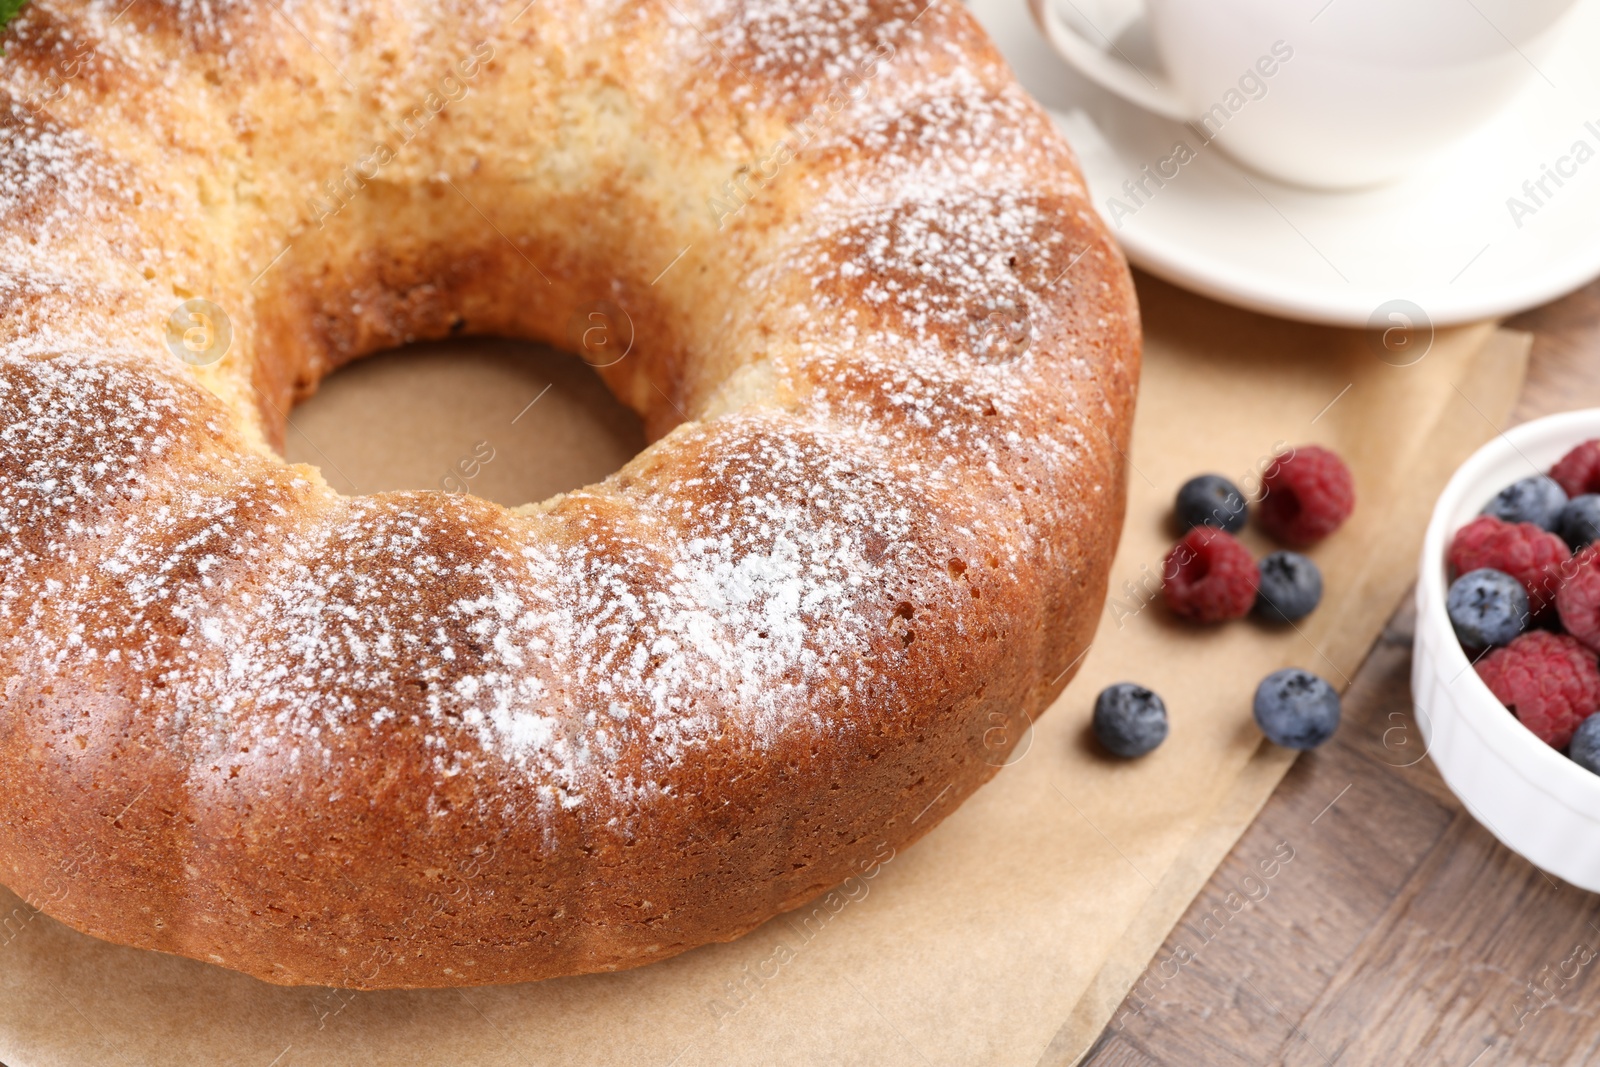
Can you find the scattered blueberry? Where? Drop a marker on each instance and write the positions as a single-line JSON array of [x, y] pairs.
[[1290, 588], [1211, 500], [1579, 521], [1129, 720], [1296, 709], [1536, 499], [1487, 608], [1585, 748]]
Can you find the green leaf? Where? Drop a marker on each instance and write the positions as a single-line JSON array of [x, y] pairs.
[[8, 11]]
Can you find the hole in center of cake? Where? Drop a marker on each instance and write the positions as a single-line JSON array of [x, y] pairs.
[[507, 421]]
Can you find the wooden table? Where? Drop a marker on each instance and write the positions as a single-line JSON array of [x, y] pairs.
[[1401, 932]]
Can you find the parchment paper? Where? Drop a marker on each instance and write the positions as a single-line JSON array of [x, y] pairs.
[[1010, 933]]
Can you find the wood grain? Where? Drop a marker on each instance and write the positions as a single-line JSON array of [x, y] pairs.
[[1401, 931]]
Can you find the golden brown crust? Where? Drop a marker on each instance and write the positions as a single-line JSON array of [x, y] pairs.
[[886, 351]]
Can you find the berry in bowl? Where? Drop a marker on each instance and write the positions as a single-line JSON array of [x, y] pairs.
[[1506, 671]]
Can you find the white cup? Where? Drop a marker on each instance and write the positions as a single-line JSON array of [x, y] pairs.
[[1325, 93]]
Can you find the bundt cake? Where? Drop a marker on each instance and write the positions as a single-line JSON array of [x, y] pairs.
[[884, 349]]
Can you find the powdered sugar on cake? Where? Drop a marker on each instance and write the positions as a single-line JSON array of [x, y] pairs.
[[733, 599], [716, 609]]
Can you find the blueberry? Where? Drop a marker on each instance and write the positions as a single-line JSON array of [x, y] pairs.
[[1211, 500], [1536, 499], [1585, 747], [1129, 720], [1487, 607], [1579, 521], [1291, 587], [1296, 709]]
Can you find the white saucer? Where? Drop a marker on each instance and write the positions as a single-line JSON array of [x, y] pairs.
[[1444, 240]]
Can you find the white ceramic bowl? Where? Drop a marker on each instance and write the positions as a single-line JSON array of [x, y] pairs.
[[1536, 801]]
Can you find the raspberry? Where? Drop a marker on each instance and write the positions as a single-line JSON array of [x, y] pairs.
[[1210, 577], [1578, 597], [1578, 471], [1548, 680], [1309, 494], [1530, 555]]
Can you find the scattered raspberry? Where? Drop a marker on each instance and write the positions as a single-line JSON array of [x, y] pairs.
[[1578, 597], [1209, 576], [1579, 470], [1309, 494], [1548, 680], [1530, 555]]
